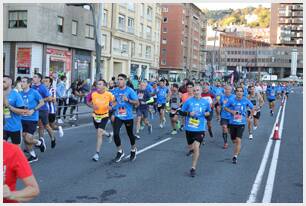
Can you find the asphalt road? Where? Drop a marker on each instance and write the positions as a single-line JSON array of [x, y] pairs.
[[160, 174]]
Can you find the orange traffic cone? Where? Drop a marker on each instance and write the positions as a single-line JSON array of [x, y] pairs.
[[276, 134]]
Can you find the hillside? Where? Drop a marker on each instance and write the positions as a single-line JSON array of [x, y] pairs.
[[237, 17]]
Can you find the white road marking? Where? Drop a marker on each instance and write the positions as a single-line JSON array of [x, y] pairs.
[[271, 176], [261, 170], [150, 147]]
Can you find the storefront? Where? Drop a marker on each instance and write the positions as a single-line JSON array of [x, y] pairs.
[[58, 61], [81, 64], [23, 62]]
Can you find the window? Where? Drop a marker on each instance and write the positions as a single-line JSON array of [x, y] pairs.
[[121, 22], [165, 9], [165, 29], [148, 51], [164, 51], [105, 19], [140, 50], [131, 6], [89, 31], [141, 30], [74, 27], [165, 20], [142, 9], [149, 32], [103, 41], [163, 62], [164, 41], [130, 25], [60, 24], [18, 19], [149, 13]]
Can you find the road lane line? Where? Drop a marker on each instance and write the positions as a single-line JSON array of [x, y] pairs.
[[76, 127], [150, 147], [261, 170], [272, 171]]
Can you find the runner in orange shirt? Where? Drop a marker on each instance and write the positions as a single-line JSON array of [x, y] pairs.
[[100, 101]]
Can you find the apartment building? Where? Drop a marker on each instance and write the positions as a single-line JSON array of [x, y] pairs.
[[47, 38], [286, 26], [131, 39], [183, 34]]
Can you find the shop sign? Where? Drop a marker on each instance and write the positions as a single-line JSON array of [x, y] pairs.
[[24, 58]]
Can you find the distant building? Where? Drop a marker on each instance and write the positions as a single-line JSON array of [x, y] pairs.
[[286, 26]]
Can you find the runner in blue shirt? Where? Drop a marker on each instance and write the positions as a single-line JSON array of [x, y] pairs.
[[162, 93], [238, 108], [195, 109], [271, 94], [44, 110], [32, 101], [126, 98], [218, 92], [225, 116], [13, 107]]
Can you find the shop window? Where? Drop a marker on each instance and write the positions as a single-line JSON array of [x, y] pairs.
[[18, 19], [60, 24]]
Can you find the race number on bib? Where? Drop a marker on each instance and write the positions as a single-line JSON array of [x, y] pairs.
[[193, 123]]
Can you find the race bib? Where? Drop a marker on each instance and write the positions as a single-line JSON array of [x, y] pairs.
[[7, 112], [238, 117], [98, 118], [193, 122], [122, 112]]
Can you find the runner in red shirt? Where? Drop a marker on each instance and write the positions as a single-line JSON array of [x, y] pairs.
[[209, 97], [16, 166]]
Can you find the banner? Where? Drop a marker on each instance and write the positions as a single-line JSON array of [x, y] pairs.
[[24, 58]]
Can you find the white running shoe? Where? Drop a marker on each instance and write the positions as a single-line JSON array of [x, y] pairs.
[[174, 132], [161, 125], [60, 121], [254, 128], [60, 131], [95, 157], [250, 136]]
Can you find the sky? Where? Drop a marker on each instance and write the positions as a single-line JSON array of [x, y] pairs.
[[222, 6]]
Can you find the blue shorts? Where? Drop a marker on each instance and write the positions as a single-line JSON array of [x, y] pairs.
[[29, 126], [141, 112]]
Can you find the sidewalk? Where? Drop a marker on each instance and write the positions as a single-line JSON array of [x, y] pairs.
[[83, 117]]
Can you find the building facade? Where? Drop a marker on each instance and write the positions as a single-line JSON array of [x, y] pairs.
[[183, 33], [286, 26], [130, 40], [47, 38]]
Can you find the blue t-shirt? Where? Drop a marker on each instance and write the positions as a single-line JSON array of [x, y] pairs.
[[123, 109], [44, 92], [31, 99], [161, 93], [271, 93], [13, 120], [218, 92], [240, 106], [224, 99], [149, 88], [197, 123]]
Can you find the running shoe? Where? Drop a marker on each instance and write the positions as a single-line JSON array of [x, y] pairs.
[[60, 121], [234, 160], [95, 157], [254, 128], [137, 136], [133, 155], [192, 172], [251, 136], [60, 131], [32, 159], [42, 145], [53, 143], [161, 125], [225, 146], [150, 128], [110, 137], [119, 156], [174, 132]]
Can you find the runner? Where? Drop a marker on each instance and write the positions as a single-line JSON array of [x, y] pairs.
[[162, 93], [32, 101], [210, 98], [100, 101], [142, 110], [16, 166], [43, 111], [258, 102], [271, 97], [195, 109], [237, 107], [218, 91], [225, 116], [48, 82], [126, 98], [174, 107]]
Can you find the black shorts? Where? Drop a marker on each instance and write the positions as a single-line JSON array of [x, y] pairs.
[[271, 100], [15, 136], [172, 114], [51, 117], [161, 106], [256, 116], [217, 104], [101, 124], [224, 121], [209, 118], [142, 112], [29, 126], [43, 116], [236, 131], [194, 136]]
